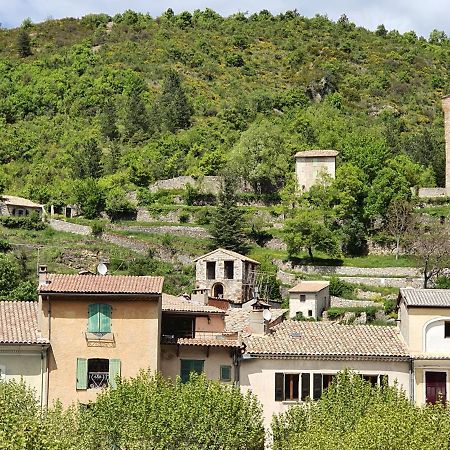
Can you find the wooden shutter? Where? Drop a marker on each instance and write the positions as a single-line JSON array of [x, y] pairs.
[[104, 318], [279, 387], [93, 318], [81, 373], [225, 373], [198, 366], [114, 372]]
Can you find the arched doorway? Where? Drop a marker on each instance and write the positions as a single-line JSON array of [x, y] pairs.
[[217, 290]]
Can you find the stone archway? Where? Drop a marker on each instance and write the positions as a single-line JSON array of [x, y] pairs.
[[217, 290]]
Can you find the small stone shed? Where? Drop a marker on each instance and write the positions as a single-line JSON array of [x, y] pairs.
[[309, 165], [311, 298], [18, 206]]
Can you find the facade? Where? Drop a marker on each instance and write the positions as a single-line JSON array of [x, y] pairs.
[[193, 339], [310, 298], [99, 327], [425, 326], [19, 207], [309, 165], [23, 352], [298, 359], [226, 274]]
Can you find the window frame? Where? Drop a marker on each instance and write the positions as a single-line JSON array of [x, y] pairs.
[[211, 274], [222, 368], [228, 269], [99, 318], [446, 329], [186, 376]]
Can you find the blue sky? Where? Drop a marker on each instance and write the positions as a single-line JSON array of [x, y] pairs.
[[403, 15]]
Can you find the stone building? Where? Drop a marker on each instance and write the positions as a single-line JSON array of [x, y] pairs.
[[311, 298], [18, 206], [309, 165], [226, 274]]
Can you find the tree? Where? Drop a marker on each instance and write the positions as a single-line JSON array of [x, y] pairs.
[[108, 121], [430, 243], [399, 220], [136, 117], [172, 110], [89, 195], [23, 43], [227, 222], [88, 160]]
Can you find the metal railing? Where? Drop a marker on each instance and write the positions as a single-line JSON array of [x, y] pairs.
[[97, 380]]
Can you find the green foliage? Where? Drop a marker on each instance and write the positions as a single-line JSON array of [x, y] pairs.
[[91, 198], [340, 288], [31, 222], [97, 228], [23, 43], [184, 217]]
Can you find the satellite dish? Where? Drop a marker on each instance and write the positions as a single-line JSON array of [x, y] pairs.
[[102, 269], [267, 315]]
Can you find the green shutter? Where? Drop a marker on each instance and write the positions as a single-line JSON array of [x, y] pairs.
[[81, 373], [225, 373], [197, 366], [105, 318], [185, 370], [114, 372], [93, 318]]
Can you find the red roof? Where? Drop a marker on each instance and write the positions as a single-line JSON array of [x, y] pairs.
[[101, 284], [18, 323], [211, 342]]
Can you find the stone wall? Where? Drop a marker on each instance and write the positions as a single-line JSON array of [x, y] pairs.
[[69, 227], [194, 232], [431, 192]]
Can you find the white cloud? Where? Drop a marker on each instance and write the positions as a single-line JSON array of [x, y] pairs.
[[403, 15]]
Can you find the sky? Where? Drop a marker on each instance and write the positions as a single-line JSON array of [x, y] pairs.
[[422, 16]]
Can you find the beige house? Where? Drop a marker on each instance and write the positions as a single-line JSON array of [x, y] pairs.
[[225, 274], [18, 206], [193, 339], [23, 352], [310, 165], [310, 298], [298, 359], [99, 327], [424, 323]]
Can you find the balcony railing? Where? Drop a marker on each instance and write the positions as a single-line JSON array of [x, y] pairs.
[[97, 380]]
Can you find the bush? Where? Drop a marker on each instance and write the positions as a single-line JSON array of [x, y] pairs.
[[203, 216], [5, 246], [31, 222], [339, 288], [97, 229], [184, 217]]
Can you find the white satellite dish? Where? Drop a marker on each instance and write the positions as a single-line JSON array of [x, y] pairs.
[[102, 269], [267, 315]]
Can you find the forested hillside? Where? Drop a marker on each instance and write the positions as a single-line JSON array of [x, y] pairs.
[[114, 103]]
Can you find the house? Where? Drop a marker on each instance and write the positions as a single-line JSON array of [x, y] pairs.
[[309, 165], [193, 339], [310, 298], [23, 352], [225, 274], [297, 360], [99, 327], [18, 206], [424, 323]]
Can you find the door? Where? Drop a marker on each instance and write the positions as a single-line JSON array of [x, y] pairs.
[[435, 387]]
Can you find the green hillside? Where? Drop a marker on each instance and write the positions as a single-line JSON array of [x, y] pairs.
[[119, 102]]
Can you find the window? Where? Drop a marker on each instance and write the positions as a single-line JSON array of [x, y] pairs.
[[447, 329], [306, 386], [309, 312], [293, 386], [217, 290], [229, 270], [188, 366], [97, 373], [302, 297], [174, 326], [210, 270], [225, 373], [99, 318]]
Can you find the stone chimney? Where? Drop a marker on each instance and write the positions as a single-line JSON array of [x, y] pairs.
[[42, 274], [257, 322], [446, 109]]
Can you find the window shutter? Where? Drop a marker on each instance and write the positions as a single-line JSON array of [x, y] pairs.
[[185, 370], [105, 318], [93, 318], [81, 373], [198, 366], [279, 387], [114, 372]]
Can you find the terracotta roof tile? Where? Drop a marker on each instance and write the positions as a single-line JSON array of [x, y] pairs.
[[229, 253], [209, 342], [328, 339], [316, 153], [238, 319], [310, 286], [19, 201], [179, 304], [102, 284], [18, 323]]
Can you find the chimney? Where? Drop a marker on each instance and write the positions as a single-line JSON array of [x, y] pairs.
[[42, 274], [257, 323], [446, 109]]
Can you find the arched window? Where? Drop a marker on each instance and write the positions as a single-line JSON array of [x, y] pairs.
[[217, 290]]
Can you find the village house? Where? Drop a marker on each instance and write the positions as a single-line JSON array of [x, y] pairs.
[[310, 298], [23, 352], [311, 164], [19, 207], [224, 274], [99, 327]]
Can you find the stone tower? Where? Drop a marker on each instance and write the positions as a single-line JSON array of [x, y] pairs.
[[446, 109]]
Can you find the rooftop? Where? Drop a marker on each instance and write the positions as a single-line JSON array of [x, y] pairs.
[[426, 298], [209, 342], [238, 319], [19, 201], [328, 340], [317, 154], [18, 323], [101, 284], [180, 304], [310, 286], [230, 253]]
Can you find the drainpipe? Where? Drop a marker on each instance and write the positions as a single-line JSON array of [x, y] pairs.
[[411, 380], [42, 377], [49, 311]]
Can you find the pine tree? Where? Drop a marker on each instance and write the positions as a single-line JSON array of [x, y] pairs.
[[23, 43], [136, 116], [227, 221], [108, 119], [172, 110]]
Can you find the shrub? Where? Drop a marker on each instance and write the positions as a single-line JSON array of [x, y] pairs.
[[97, 228], [340, 288], [203, 216], [31, 222], [5, 246], [184, 217]]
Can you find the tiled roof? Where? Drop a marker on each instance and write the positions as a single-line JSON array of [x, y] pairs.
[[434, 298], [230, 253], [19, 201], [316, 153], [209, 342], [328, 339], [238, 319], [179, 304], [102, 284], [18, 323], [310, 286]]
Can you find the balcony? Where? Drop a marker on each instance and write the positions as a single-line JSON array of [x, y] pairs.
[[98, 380]]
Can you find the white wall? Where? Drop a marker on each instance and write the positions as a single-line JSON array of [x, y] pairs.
[[309, 169], [317, 302], [435, 340]]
